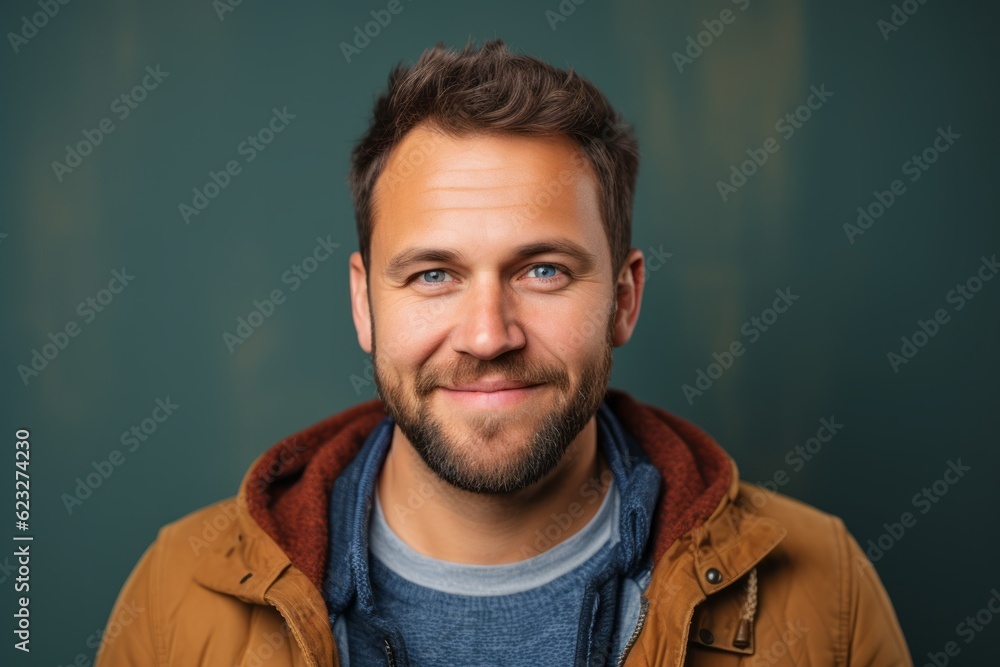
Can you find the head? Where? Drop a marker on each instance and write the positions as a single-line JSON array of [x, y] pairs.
[[493, 196]]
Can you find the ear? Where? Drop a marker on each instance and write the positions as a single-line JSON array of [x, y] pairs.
[[360, 309], [631, 281]]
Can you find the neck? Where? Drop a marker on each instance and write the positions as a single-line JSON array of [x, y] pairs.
[[447, 523]]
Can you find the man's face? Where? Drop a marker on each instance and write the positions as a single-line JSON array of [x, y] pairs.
[[489, 305]]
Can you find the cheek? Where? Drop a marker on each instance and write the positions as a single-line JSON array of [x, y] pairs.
[[408, 333], [574, 333]]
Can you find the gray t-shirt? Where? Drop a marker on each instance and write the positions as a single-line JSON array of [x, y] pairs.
[[576, 603], [523, 613]]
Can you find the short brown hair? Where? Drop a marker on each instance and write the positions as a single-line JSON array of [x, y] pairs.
[[491, 90]]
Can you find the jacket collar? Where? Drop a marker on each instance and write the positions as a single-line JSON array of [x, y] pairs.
[[287, 490], [281, 531], [683, 603], [638, 485]]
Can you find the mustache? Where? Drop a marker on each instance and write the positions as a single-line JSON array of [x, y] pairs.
[[511, 366]]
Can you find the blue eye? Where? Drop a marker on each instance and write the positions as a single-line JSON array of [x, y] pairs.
[[543, 271], [433, 276]]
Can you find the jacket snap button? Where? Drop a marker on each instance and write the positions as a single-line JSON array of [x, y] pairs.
[[706, 636], [713, 576]]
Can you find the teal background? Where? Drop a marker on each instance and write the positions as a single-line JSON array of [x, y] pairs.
[[826, 357]]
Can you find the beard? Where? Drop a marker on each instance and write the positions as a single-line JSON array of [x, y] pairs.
[[519, 458]]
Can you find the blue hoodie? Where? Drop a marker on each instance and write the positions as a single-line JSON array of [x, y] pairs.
[[612, 581]]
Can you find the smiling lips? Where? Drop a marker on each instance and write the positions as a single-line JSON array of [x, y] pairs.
[[490, 393]]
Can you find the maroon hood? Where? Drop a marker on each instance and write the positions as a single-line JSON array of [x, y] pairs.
[[288, 488]]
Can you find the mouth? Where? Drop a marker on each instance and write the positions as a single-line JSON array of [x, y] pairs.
[[490, 393]]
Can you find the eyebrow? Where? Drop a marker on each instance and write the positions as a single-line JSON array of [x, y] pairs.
[[396, 269]]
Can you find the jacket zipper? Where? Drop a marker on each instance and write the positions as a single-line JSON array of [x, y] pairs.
[[390, 658], [644, 607]]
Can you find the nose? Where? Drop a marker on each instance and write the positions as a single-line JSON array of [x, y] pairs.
[[486, 322]]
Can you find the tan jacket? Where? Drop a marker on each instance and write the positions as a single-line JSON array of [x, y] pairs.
[[741, 576]]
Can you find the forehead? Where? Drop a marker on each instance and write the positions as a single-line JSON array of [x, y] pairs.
[[437, 189]]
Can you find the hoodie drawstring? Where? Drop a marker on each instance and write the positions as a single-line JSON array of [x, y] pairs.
[[743, 631]]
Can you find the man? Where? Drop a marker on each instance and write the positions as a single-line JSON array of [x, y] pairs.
[[500, 505]]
